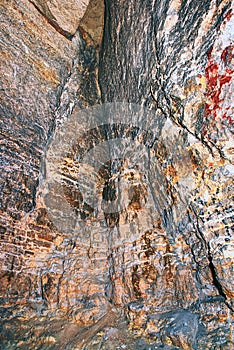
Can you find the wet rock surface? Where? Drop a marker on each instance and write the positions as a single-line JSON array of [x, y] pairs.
[[144, 122]]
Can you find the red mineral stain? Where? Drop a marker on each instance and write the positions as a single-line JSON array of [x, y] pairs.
[[224, 80], [226, 18], [214, 83], [228, 15], [209, 52], [228, 118], [227, 54]]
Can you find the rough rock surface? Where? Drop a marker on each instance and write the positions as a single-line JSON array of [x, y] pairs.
[[65, 16], [159, 273]]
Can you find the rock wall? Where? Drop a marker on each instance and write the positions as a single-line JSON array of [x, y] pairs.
[[117, 175]]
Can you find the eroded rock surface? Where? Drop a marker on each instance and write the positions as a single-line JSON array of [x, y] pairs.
[[64, 16], [157, 272]]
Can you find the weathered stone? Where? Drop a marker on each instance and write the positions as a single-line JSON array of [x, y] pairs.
[[64, 16], [181, 46], [93, 21], [38, 75], [159, 272]]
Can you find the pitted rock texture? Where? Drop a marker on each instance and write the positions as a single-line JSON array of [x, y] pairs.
[[158, 274]]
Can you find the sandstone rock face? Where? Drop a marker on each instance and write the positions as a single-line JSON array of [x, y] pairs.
[[93, 21], [117, 170], [63, 15]]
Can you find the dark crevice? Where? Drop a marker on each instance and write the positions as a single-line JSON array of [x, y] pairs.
[[215, 279], [216, 282], [106, 31], [53, 23], [11, 273]]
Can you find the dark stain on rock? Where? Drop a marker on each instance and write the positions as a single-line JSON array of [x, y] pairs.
[[136, 281], [227, 55]]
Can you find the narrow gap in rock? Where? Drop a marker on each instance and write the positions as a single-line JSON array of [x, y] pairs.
[[216, 282], [215, 279]]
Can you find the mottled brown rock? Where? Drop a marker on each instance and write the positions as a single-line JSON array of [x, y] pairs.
[[159, 273], [38, 69], [93, 20], [63, 15]]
